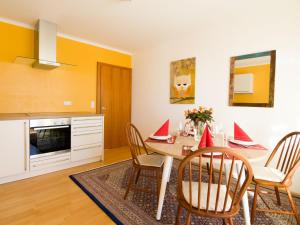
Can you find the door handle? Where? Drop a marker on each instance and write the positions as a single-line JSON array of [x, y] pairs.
[[25, 146], [103, 108]]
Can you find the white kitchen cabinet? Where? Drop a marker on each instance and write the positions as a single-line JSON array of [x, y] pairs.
[[14, 147], [49, 161], [85, 152], [86, 138]]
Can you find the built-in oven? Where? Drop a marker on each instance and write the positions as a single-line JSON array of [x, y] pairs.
[[49, 137]]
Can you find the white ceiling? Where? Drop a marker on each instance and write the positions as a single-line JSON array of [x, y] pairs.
[[136, 24]]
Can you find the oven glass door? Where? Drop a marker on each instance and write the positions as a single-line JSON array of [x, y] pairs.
[[49, 140]]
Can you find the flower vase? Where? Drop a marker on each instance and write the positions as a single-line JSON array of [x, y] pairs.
[[201, 127], [198, 130]]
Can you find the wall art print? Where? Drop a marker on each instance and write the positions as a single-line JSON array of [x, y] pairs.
[[182, 81]]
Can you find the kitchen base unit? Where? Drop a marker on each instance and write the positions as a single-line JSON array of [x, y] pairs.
[[34, 147], [87, 138]]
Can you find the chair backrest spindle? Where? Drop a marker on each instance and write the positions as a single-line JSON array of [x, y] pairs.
[[219, 183], [199, 178], [190, 184]]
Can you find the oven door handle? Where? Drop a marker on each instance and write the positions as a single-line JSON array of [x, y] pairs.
[[50, 128]]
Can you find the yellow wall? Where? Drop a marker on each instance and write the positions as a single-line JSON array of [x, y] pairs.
[[26, 89], [261, 83]]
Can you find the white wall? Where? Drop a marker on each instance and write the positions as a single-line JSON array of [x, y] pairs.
[[213, 48]]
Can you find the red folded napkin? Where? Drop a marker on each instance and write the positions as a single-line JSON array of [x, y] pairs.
[[206, 139], [239, 134], [163, 130]]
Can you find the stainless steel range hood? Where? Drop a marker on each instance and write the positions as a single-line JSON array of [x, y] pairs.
[[45, 48], [46, 45]]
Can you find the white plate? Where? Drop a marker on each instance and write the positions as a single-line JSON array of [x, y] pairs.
[[160, 138], [214, 153], [195, 148], [246, 143]]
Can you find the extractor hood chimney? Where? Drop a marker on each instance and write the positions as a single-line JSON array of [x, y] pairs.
[[46, 45], [45, 48]]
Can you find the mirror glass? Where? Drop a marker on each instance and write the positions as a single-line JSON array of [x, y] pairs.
[[252, 78]]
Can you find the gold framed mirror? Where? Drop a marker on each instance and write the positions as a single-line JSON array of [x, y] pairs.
[[252, 79]]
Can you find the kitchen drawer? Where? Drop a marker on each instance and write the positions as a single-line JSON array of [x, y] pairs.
[[87, 120], [87, 128], [86, 152], [49, 161], [86, 138]]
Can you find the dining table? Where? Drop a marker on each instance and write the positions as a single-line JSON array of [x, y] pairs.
[[175, 151]]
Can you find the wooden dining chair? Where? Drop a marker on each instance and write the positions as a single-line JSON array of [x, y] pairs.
[[199, 195], [142, 160], [278, 173]]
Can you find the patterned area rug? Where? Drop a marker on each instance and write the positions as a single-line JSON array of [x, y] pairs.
[[106, 186]]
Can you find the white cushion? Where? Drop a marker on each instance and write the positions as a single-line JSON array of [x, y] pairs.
[[151, 160], [213, 196], [267, 173]]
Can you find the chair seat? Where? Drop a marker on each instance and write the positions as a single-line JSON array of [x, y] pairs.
[[213, 195], [151, 160], [267, 173]]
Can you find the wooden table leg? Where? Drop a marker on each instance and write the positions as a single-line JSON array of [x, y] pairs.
[[165, 178], [245, 201]]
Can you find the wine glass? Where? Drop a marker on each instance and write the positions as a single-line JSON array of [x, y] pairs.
[[186, 129], [180, 128]]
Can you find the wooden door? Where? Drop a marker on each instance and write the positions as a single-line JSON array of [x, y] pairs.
[[104, 93], [114, 101]]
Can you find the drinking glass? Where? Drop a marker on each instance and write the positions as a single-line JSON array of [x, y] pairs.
[[186, 130], [170, 140], [180, 128]]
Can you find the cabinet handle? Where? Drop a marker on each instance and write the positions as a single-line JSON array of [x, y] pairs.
[[50, 128], [96, 119], [99, 126], [86, 134], [80, 149], [62, 160], [25, 147]]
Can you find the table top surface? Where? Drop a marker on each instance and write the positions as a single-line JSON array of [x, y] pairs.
[[175, 149]]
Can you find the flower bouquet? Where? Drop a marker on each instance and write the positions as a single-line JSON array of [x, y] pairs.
[[199, 117]]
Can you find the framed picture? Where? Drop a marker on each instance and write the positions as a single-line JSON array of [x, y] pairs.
[[252, 79], [182, 81]]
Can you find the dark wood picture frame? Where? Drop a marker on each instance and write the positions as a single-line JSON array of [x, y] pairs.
[[271, 86]]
